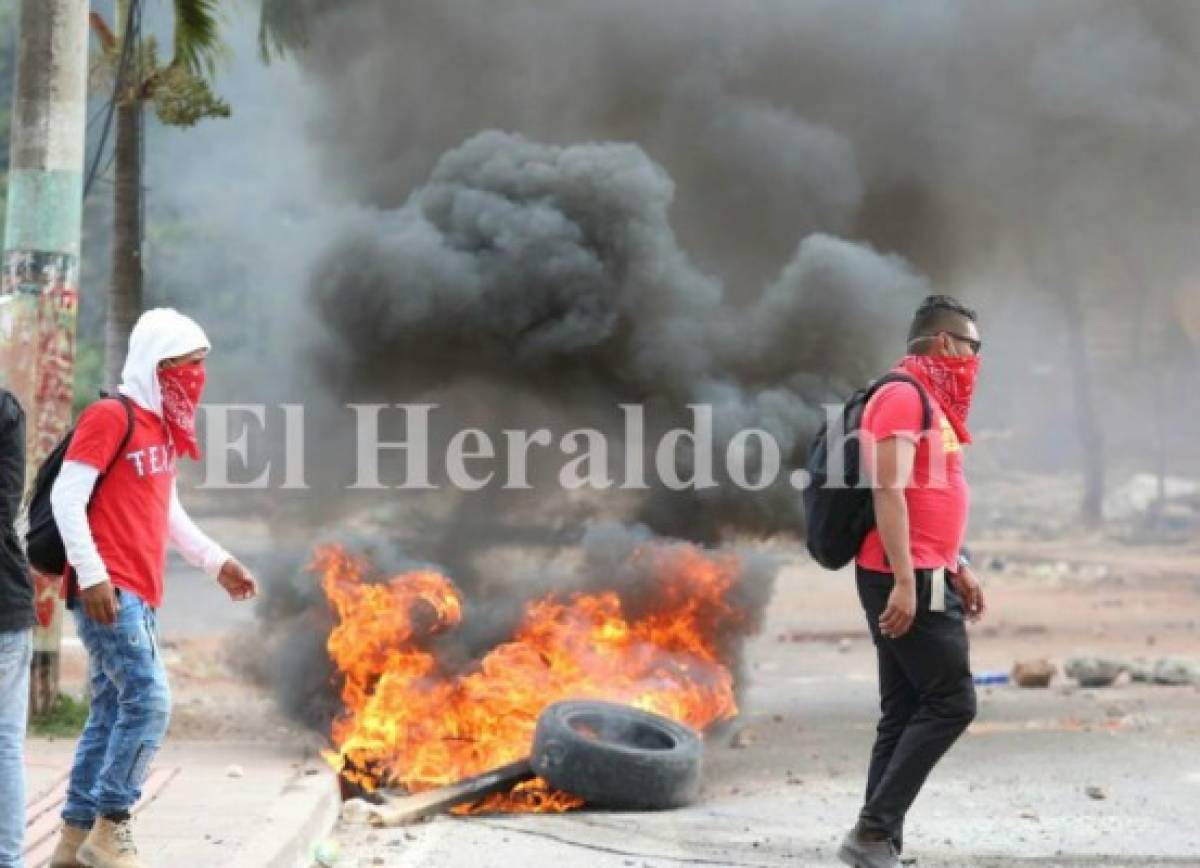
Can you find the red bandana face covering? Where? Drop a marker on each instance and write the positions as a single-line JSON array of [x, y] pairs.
[[951, 381], [181, 388]]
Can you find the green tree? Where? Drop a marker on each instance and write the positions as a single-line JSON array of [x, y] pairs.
[[284, 24], [181, 95]]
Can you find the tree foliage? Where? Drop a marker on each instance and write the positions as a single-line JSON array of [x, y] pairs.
[[198, 43], [179, 90], [284, 25]]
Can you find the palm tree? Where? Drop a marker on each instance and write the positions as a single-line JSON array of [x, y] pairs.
[[181, 96], [284, 24]]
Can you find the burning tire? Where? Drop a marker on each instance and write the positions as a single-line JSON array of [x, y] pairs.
[[614, 756]]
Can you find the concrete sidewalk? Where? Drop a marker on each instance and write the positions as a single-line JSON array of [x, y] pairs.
[[240, 805]]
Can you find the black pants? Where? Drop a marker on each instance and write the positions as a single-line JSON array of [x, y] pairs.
[[927, 699]]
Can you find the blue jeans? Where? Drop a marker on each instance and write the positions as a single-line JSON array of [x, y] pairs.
[[16, 653], [131, 704]]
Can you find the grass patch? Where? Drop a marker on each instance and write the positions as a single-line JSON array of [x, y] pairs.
[[65, 720]]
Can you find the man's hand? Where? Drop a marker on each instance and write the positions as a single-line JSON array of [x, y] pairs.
[[237, 581], [971, 591], [901, 609], [100, 603]]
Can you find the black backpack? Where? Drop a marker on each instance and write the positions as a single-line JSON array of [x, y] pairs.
[[43, 542], [837, 519]]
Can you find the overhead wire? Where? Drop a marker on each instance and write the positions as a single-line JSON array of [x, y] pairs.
[[130, 40]]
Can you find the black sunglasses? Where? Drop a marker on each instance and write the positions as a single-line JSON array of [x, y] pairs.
[[975, 344]]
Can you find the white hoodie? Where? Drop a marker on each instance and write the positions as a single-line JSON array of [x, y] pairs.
[[159, 334]]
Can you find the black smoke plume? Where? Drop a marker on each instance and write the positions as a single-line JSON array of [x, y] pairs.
[[531, 213]]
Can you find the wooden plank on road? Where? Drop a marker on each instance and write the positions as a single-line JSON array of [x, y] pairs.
[[411, 809]]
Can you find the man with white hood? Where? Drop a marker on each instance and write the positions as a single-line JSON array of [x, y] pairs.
[[116, 545]]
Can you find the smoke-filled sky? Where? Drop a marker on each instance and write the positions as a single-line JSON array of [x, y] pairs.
[[531, 212], [776, 118]]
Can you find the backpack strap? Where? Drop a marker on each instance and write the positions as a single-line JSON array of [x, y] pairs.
[[72, 580], [894, 377], [125, 402]]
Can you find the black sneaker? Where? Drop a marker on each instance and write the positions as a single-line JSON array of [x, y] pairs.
[[858, 852]]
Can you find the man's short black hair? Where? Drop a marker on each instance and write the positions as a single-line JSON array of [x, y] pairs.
[[939, 313]]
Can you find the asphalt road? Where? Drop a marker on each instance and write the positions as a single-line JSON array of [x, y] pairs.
[[1014, 791]]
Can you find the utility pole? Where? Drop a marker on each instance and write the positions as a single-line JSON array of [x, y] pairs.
[[40, 280]]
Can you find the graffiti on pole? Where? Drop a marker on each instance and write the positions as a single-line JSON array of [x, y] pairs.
[[39, 299], [27, 279], [41, 338], [56, 359], [35, 273]]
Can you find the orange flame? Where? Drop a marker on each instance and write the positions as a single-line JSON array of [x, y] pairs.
[[407, 722]]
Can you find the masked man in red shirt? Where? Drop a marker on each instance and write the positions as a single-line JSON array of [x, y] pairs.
[[116, 536], [914, 584]]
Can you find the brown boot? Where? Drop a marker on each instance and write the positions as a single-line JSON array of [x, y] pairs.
[[110, 845], [68, 846]]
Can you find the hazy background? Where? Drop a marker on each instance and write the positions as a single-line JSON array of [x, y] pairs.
[[1036, 160], [789, 177], [530, 213]]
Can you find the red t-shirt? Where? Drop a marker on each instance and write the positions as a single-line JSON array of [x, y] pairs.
[[937, 494], [128, 514]]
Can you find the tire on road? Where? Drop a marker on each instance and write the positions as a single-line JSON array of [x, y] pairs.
[[615, 756]]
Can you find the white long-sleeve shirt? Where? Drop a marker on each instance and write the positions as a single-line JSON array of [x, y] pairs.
[[69, 499]]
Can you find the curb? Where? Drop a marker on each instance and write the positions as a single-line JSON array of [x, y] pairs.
[[303, 814]]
